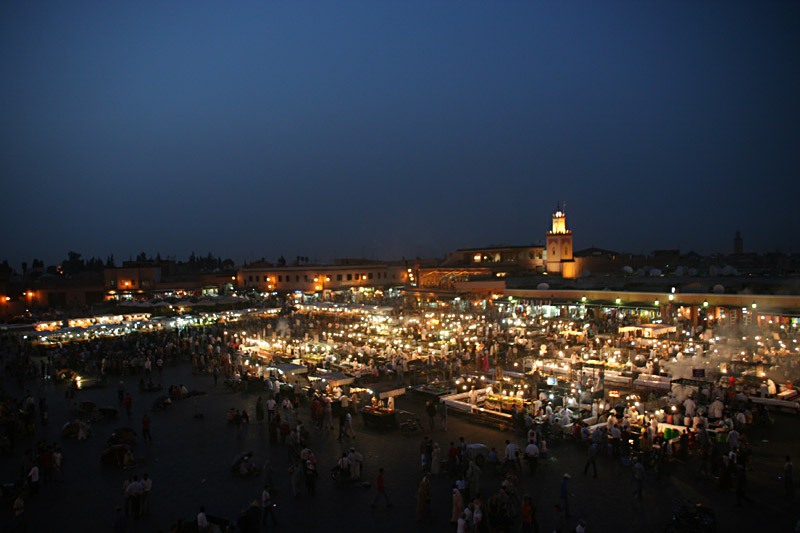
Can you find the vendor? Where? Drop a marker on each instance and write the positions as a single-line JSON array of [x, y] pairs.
[[390, 403], [245, 467], [128, 459]]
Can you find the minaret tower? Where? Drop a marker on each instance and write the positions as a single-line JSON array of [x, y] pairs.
[[559, 243]]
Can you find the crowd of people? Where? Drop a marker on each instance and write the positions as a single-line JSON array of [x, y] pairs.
[[712, 425]]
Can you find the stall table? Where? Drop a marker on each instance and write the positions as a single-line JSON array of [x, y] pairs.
[[378, 417]]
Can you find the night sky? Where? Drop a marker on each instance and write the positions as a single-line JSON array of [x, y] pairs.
[[389, 129]]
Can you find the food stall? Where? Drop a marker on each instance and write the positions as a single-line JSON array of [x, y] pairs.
[[434, 389], [289, 377], [335, 380], [472, 404], [375, 413]]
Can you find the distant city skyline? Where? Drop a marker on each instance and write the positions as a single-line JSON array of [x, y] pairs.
[[273, 258], [390, 130]]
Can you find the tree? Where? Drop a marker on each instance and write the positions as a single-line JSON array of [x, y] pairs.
[[73, 264], [110, 261]]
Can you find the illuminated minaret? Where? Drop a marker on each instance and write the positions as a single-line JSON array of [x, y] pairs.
[[559, 243]]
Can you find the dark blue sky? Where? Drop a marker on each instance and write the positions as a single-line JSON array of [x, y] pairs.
[[392, 129]]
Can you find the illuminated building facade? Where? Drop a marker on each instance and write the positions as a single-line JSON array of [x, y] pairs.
[[559, 247]]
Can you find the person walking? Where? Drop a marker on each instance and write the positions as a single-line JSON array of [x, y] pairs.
[[443, 415], [202, 520], [120, 524], [591, 460], [560, 520], [380, 490], [741, 485], [638, 477], [259, 410], [311, 478], [267, 507], [565, 494], [532, 455], [424, 499], [146, 428], [348, 425], [147, 487], [128, 401], [134, 493], [528, 515], [430, 409], [788, 477]]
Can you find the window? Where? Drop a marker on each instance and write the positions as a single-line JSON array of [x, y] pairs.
[[133, 282], [250, 278], [280, 278], [349, 277], [297, 277], [305, 278], [257, 279], [370, 275], [338, 277]]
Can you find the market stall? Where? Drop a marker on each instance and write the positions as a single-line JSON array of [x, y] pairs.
[[648, 331], [376, 413]]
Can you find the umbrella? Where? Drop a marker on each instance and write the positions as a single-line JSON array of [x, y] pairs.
[[239, 458], [70, 429], [108, 412], [87, 406], [161, 402], [114, 454], [123, 435]]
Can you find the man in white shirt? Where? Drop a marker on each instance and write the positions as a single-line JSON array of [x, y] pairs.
[[741, 420], [356, 459], [348, 425], [548, 412], [715, 410], [267, 507], [202, 521], [689, 406], [134, 492], [33, 475], [511, 455], [532, 455], [733, 439]]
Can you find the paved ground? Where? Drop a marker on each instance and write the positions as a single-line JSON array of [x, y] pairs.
[[189, 463]]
